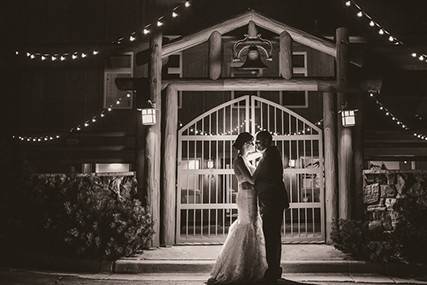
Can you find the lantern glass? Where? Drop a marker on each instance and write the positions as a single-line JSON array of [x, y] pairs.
[[148, 116], [348, 118]]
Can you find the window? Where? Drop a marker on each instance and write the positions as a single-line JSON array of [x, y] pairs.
[[296, 99], [174, 71], [117, 66]]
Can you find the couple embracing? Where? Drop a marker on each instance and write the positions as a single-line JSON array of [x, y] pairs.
[[252, 250]]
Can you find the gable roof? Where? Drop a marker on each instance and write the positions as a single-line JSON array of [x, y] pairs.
[[304, 38]]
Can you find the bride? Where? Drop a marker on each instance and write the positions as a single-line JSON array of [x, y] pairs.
[[242, 258]]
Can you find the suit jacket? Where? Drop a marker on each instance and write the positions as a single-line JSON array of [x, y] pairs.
[[269, 184]]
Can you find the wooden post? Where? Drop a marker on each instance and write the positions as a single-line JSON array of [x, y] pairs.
[[153, 137], [345, 148], [285, 56], [168, 202], [357, 211], [331, 193], [215, 56]]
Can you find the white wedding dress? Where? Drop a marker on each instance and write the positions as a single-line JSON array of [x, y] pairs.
[[242, 258]]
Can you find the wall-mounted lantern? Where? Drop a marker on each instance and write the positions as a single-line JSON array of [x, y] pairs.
[[148, 114], [348, 118]]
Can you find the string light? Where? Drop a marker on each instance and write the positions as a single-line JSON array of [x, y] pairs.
[[235, 130], [86, 123], [381, 31], [132, 37], [395, 118]]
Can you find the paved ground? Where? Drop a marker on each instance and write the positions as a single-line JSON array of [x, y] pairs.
[[290, 252], [12, 277]]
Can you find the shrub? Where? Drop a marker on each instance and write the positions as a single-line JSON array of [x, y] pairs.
[[85, 216]]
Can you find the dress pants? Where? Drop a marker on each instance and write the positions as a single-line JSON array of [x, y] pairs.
[[272, 220]]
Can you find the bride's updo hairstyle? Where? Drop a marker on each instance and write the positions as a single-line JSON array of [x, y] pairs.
[[242, 138]]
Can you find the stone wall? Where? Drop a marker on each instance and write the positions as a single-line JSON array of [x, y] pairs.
[[383, 188]]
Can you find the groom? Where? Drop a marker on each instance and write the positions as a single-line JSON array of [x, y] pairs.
[[272, 199]]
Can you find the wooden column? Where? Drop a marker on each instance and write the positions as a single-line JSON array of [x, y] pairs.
[[358, 158], [329, 133], [285, 56], [345, 148], [153, 137], [215, 55], [168, 210]]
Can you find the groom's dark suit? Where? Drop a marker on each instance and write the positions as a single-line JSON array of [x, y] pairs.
[[272, 199]]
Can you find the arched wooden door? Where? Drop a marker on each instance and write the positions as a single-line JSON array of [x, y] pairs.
[[207, 188]]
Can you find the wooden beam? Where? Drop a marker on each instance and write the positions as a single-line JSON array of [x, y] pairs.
[[297, 35], [215, 55], [304, 38], [153, 138], [331, 190], [254, 84], [202, 36], [285, 56], [169, 168], [345, 147]]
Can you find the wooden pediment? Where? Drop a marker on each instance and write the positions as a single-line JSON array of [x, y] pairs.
[[322, 45]]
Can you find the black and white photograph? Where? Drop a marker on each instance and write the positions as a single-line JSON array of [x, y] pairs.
[[213, 142]]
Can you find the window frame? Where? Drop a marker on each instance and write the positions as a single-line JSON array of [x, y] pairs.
[[127, 71], [297, 70], [177, 70]]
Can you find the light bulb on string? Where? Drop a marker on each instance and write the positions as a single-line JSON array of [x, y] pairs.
[[390, 38], [95, 52], [16, 52], [102, 115], [371, 23], [359, 14], [53, 58], [381, 32], [74, 56], [94, 120], [132, 38], [117, 102], [84, 55], [187, 4], [421, 57], [86, 124], [62, 58], [414, 54], [109, 109], [146, 31], [348, 3], [28, 54], [159, 23], [43, 58], [128, 95], [174, 14]]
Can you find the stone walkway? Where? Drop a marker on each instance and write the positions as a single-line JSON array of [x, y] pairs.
[[290, 252]]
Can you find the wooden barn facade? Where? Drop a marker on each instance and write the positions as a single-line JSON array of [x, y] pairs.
[[203, 99]]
